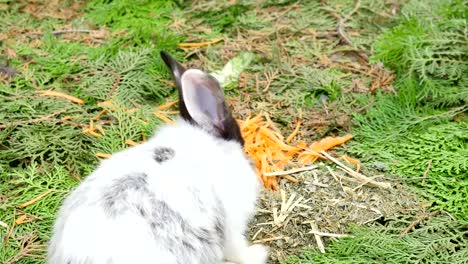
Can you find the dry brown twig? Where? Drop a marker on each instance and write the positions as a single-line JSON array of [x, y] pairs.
[[35, 120], [64, 31], [270, 76], [318, 238], [287, 172], [358, 176], [267, 239], [429, 164], [340, 27], [417, 221], [35, 199], [28, 248]]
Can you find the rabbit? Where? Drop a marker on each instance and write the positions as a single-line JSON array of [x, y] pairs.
[[184, 196]]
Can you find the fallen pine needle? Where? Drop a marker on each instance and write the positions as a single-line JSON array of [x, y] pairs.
[[10, 232], [315, 232], [417, 221], [166, 105], [98, 127], [20, 220], [61, 95], [163, 118], [34, 199], [103, 155], [108, 104], [356, 175], [290, 178], [429, 164], [292, 171], [253, 237], [267, 239], [131, 142], [96, 117], [91, 132], [200, 44]]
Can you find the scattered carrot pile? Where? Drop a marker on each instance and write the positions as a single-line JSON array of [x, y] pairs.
[[272, 152]]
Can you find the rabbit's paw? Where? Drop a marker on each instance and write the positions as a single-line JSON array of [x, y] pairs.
[[257, 254]]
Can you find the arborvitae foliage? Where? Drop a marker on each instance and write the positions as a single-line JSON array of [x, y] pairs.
[[430, 48], [411, 140], [413, 132], [143, 21], [43, 146], [439, 239]]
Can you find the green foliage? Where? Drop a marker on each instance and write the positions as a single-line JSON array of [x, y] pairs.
[[125, 75], [145, 21], [20, 186], [128, 126], [408, 132], [437, 240], [406, 137], [221, 18], [430, 48]]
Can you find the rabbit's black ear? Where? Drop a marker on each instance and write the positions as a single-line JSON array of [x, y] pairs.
[[177, 70], [204, 101]]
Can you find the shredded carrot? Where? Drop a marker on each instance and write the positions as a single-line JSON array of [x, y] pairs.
[[200, 44], [294, 133], [311, 153], [271, 152], [59, 94], [103, 155], [20, 220], [352, 161], [296, 129], [35, 199]]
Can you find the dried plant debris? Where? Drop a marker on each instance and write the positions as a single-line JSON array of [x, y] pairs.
[[323, 205]]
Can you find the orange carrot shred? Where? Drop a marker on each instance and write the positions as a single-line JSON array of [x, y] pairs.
[[271, 152], [20, 220], [294, 133]]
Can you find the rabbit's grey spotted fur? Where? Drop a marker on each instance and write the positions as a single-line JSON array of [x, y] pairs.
[[184, 196]]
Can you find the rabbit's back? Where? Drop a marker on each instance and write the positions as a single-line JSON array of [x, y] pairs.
[[156, 201]]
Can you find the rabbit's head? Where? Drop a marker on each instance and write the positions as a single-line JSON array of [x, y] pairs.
[[201, 101]]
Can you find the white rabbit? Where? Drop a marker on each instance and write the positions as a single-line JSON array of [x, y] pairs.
[[184, 196]]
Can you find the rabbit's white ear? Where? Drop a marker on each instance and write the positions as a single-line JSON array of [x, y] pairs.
[[204, 99]]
